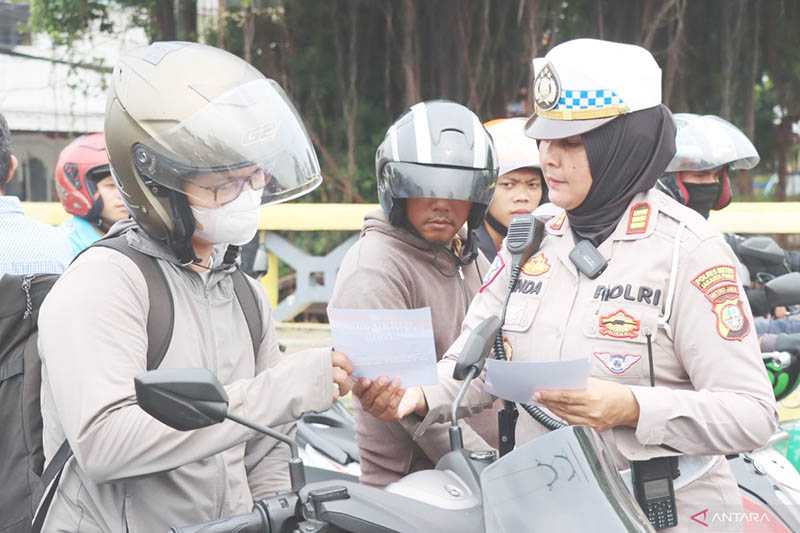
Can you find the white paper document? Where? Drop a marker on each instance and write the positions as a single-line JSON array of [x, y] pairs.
[[518, 380], [396, 343]]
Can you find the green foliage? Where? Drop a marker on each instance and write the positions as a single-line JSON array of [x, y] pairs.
[[65, 20]]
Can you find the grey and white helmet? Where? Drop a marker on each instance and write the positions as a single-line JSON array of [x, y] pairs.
[[437, 149]]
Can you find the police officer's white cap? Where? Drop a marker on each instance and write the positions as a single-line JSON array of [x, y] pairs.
[[584, 83]]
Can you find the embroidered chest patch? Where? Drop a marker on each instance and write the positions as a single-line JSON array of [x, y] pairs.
[[619, 325], [718, 285], [617, 363], [536, 265]]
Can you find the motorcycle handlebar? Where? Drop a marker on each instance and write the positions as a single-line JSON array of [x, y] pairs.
[[253, 522]]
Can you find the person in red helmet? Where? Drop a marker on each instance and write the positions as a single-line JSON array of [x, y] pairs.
[[87, 191]]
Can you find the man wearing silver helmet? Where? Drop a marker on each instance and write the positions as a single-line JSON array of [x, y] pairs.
[[198, 140], [436, 170]]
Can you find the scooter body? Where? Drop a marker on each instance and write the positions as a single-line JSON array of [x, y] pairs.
[[563, 480]]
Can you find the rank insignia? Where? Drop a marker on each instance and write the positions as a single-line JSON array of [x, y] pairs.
[[638, 218], [556, 223], [546, 88], [617, 363], [718, 285], [536, 265], [619, 325], [497, 266]]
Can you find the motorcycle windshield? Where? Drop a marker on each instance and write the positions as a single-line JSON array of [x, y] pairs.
[[561, 481]]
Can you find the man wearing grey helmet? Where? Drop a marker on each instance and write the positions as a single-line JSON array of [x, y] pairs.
[[198, 140], [436, 170]]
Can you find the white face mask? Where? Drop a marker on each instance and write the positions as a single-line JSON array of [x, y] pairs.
[[234, 223]]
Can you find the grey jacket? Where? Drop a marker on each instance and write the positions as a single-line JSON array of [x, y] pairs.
[[391, 268], [131, 472]]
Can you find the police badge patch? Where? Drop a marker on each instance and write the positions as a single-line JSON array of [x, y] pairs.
[[718, 285], [617, 363], [619, 325], [536, 265], [546, 89]]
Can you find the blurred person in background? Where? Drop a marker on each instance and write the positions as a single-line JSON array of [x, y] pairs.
[[87, 191], [29, 247], [520, 187]]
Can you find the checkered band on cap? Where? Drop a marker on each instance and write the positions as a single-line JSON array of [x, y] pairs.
[[577, 104], [595, 99]]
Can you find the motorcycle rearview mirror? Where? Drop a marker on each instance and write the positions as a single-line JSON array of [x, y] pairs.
[[783, 290], [193, 398], [183, 399], [468, 366], [477, 348]]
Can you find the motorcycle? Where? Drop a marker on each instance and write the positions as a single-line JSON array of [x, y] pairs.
[[769, 483], [562, 480]]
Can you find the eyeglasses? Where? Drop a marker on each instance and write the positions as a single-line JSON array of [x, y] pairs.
[[230, 190]]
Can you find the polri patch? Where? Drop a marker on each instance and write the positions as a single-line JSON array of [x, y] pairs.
[[718, 284], [494, 270], [617, 363], [536, 265], [638, 217], [619, 325]]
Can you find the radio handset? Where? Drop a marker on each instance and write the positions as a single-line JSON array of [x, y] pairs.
[[525, 234]]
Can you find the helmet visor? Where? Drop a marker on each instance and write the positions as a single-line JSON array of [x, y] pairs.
[[709, 142], [251, 136], [412, 180]]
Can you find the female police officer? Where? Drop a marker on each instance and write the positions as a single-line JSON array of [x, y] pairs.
[[604, 139]]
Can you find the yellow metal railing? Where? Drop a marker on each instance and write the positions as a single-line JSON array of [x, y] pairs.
[[282, 217], [739, 217]]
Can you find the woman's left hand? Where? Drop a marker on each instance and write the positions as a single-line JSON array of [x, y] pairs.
[[602, 405]]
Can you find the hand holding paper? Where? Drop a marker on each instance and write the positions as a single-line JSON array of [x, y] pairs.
[[601, 405], [519, 380], [393, 343]]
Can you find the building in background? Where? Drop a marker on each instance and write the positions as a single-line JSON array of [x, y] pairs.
[[52, 94]]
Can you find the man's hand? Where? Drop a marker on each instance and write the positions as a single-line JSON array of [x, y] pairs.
[[602, 405], [342, 368], [386, 400]]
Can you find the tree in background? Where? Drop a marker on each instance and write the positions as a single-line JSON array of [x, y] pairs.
[[352, 66]]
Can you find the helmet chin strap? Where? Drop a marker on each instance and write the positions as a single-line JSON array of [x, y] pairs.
[[180, 239], [496, 224], [470, 250]]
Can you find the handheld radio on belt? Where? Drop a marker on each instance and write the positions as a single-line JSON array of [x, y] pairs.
[[652, 479]]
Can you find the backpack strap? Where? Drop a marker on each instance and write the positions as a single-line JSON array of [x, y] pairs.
[[161, 315], [50, 478], [248, 301], [160, 323]]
